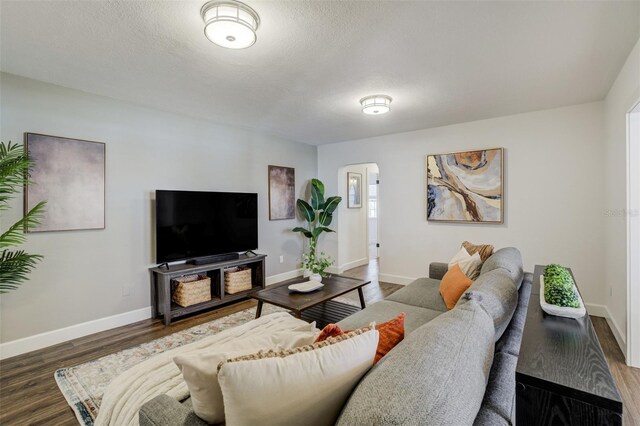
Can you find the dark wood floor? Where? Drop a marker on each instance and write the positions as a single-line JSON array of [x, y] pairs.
[[29, 394], [627, 378]]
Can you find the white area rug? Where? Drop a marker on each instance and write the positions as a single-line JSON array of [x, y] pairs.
[[83, 386]]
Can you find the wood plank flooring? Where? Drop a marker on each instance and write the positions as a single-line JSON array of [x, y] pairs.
[[30, 396], [627, 378]]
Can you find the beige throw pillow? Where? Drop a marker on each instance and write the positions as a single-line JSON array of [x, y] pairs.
[[470, 265], [304, 386], [200, 368]]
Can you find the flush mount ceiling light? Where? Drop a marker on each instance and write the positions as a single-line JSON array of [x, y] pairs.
[[230, 23], [376, 104]]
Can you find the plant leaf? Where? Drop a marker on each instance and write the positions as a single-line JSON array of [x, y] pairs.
[[331, 204], [306, 210], [15, 267], [317, 196], [14, 166], [320, 229], [304, 231], [325, 218], [15, 234], [14, 174], [317, 183]]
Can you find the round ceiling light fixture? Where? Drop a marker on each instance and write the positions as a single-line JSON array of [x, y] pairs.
[[230, 24], [376, 104]]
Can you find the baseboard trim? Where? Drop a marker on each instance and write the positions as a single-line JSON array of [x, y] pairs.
[[596, 310], [61, 335], [395, 279], [50, 338], [353, 264], [334, 270], [273, 279], [615, 328], [604, 312]]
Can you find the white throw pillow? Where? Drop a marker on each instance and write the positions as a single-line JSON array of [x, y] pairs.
[[459, 257], [200, 368], [308, 387], [470, 265]]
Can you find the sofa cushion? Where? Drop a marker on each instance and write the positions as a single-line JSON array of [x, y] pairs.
[[497, 295], [500, 392], [437, 270], [386, 310], [439, 374], [488, 417], [200, 368], [303, 386], [509, 259], [164, 410], [423, 292], [512, 336]]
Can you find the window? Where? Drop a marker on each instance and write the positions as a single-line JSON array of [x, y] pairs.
[[373, 201]]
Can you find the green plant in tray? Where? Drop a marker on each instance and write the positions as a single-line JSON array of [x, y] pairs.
[[559, 288]]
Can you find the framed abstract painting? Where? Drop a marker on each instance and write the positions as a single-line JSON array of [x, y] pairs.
[[466, 186], [282, 193], [70, 175]]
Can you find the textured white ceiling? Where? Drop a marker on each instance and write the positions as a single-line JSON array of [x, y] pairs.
[[442, 62]]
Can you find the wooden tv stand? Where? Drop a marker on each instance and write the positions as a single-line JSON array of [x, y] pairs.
[[162, 306]]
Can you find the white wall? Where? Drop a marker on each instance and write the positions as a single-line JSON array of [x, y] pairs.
[[553, 182], [623, 95], [84, 272]]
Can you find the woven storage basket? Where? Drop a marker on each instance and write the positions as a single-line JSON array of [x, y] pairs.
[[191, 289], [237, 280]]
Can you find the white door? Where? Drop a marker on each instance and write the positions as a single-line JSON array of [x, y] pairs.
[[372, 214], [633, 239]]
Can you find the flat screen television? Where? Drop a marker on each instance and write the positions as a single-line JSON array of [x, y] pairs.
[[193, 224]]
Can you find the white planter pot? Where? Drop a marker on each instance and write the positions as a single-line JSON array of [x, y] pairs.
[[315, 277], [306, 273]]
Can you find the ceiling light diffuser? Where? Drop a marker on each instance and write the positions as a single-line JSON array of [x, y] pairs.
[[230, 24], [376, 104]]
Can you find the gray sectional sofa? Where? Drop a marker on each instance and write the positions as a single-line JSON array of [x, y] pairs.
[[454, 367]]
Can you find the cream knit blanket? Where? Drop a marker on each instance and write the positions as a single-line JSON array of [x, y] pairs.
[[160, 375]]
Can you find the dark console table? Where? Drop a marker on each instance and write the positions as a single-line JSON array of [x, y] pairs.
[[161, 304], [562, 377]]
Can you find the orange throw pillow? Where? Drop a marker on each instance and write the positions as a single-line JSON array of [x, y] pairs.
[[331, 330], [390, 334], [453, 285]]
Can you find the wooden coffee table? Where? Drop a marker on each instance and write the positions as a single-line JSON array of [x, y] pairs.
[[317, 305]]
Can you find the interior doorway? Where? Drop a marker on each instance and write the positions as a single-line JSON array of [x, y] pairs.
[[633, 238], [359, 216]]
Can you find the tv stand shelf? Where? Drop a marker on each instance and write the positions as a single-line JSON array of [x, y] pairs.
[[162, 306]]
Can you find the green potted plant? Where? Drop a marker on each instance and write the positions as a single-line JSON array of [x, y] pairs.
[[15, 265], [318, 213]]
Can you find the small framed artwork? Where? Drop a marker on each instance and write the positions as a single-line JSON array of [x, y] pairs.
[[70, 175], [354, 190], [282, 193], [466, 186]]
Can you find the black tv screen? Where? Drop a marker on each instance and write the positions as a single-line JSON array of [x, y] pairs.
[[192, 224]]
